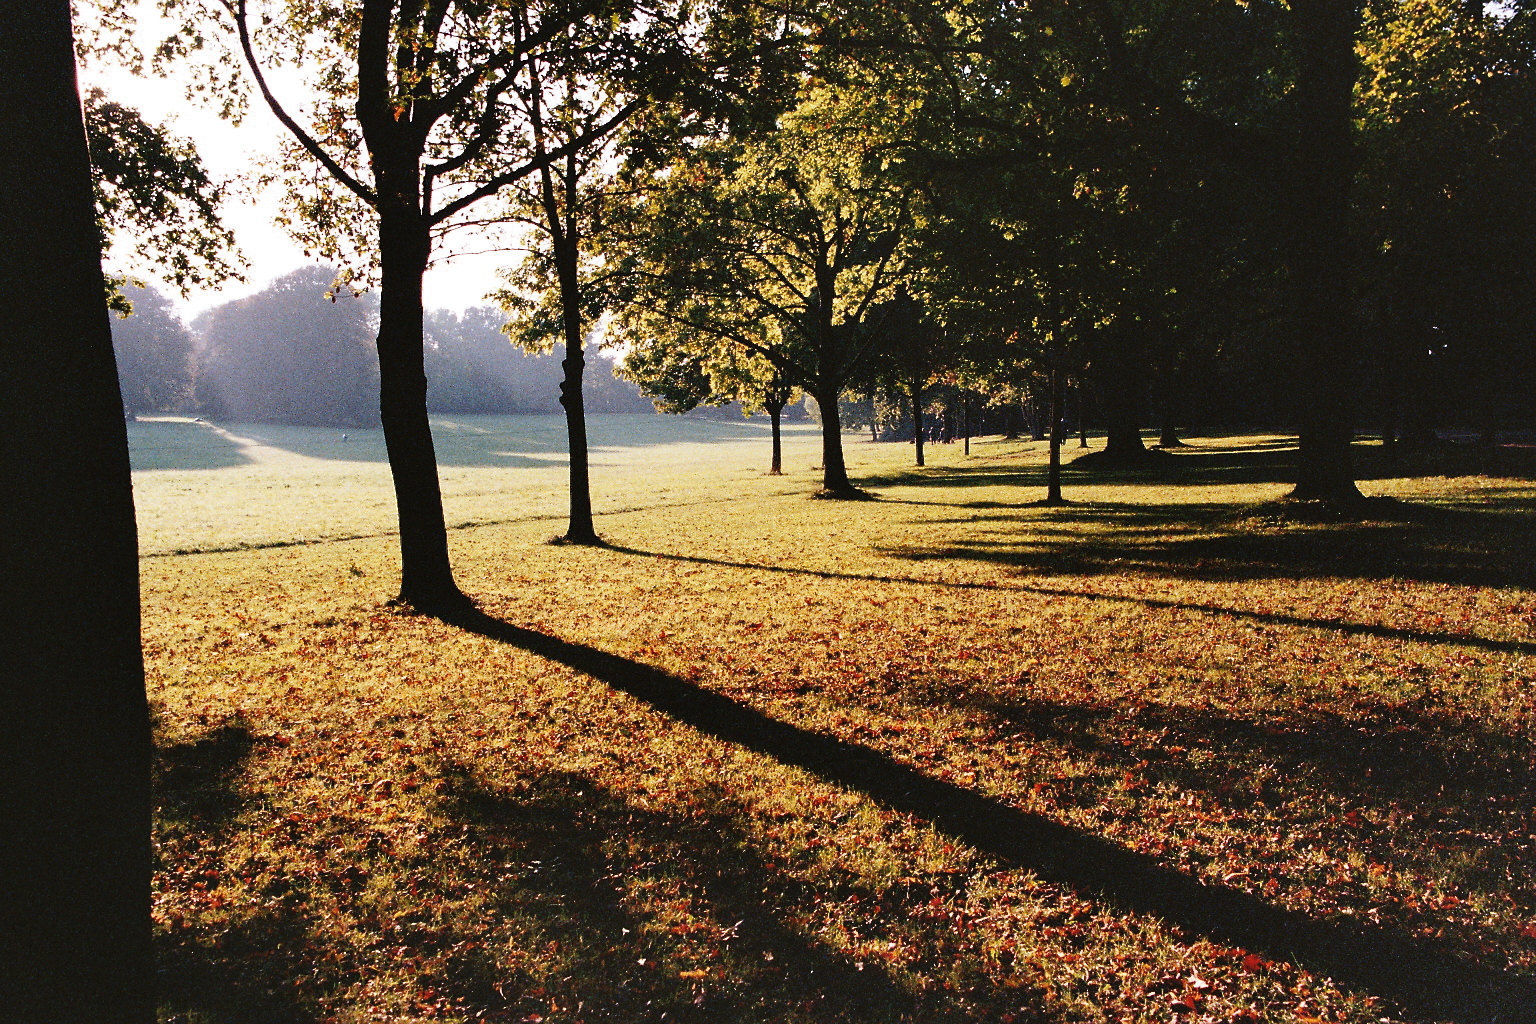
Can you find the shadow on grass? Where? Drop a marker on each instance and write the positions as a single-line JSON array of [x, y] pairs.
[[1268, 618], [505, 442], [1211, 463], [242, 974], [1422, 975], [1460, 780], [647, 914], [163, 444], [1489, 547]]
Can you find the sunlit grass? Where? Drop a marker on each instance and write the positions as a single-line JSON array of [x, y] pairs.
[[775, 759]]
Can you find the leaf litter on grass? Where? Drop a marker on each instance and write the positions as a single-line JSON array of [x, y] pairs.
[[801, 760]]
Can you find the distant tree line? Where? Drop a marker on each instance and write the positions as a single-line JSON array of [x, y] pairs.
[[302, 351]]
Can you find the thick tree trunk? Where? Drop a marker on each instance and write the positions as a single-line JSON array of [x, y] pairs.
[[834, 471], [75, 748], [1123, 434], [915, 395], [775, 413], [426, 578], [1058, 423], [1322, 307], [1121, 388], [580, 529]]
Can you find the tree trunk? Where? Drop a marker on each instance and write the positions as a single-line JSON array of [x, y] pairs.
[[916, 397], [426, 578], [775, 411], [874, 427], [1322, 307], [580, 530], [1121, 388], [75, 751], [965, 415], [1082, 417], [1123, 434], [1053, 472], [834, 471]]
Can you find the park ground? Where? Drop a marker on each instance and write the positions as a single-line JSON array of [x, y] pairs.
[[1173, 752]]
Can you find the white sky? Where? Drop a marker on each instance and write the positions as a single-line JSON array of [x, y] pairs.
[[228, 152]]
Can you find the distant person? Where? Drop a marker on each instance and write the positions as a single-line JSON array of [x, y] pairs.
[[343, 437]]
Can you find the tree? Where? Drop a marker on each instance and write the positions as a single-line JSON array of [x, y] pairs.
[[153, 194], [683, 370], [565, 205], [155, 359], [806, 228], [911, 352], [75, 855], [295, 352], [415, 123], [1448, 153]]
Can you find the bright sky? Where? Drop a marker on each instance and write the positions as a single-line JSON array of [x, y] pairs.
[[229, 152]]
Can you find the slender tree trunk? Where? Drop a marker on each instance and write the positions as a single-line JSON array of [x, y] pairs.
[[1322, 304], [580, 530], [775, 412], [1082, 417], [75, 750], [916, 397], [1053, 472], [965, 413], [426, 579], [834, 471], [874, 427]]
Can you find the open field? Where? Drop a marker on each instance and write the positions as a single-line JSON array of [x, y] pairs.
[[1165, 754]]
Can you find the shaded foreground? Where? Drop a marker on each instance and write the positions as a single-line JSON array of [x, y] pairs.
[[942, 757]]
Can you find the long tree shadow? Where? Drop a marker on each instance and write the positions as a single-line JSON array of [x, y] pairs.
[[1460, 779], [1422, 975], [1268, 618], [656, 915], [234, 975], [1489, 548]]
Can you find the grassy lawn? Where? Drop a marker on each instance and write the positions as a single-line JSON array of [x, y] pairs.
[[1166, 754]]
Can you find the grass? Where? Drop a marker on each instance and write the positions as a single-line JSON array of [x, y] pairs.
[[1164, 754]]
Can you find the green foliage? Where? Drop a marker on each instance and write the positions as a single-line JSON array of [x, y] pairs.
[[154, 196], [777, 245], [156, 361]]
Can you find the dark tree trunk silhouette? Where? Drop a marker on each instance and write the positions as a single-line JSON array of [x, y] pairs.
[[580, 529], [1323, 315], [1120, 377], [1057, 428], [1082, 416], [775, 409], [1169, 407], [834, 471], [965, 415], [426, 578], [75, 745], [915, 396]]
